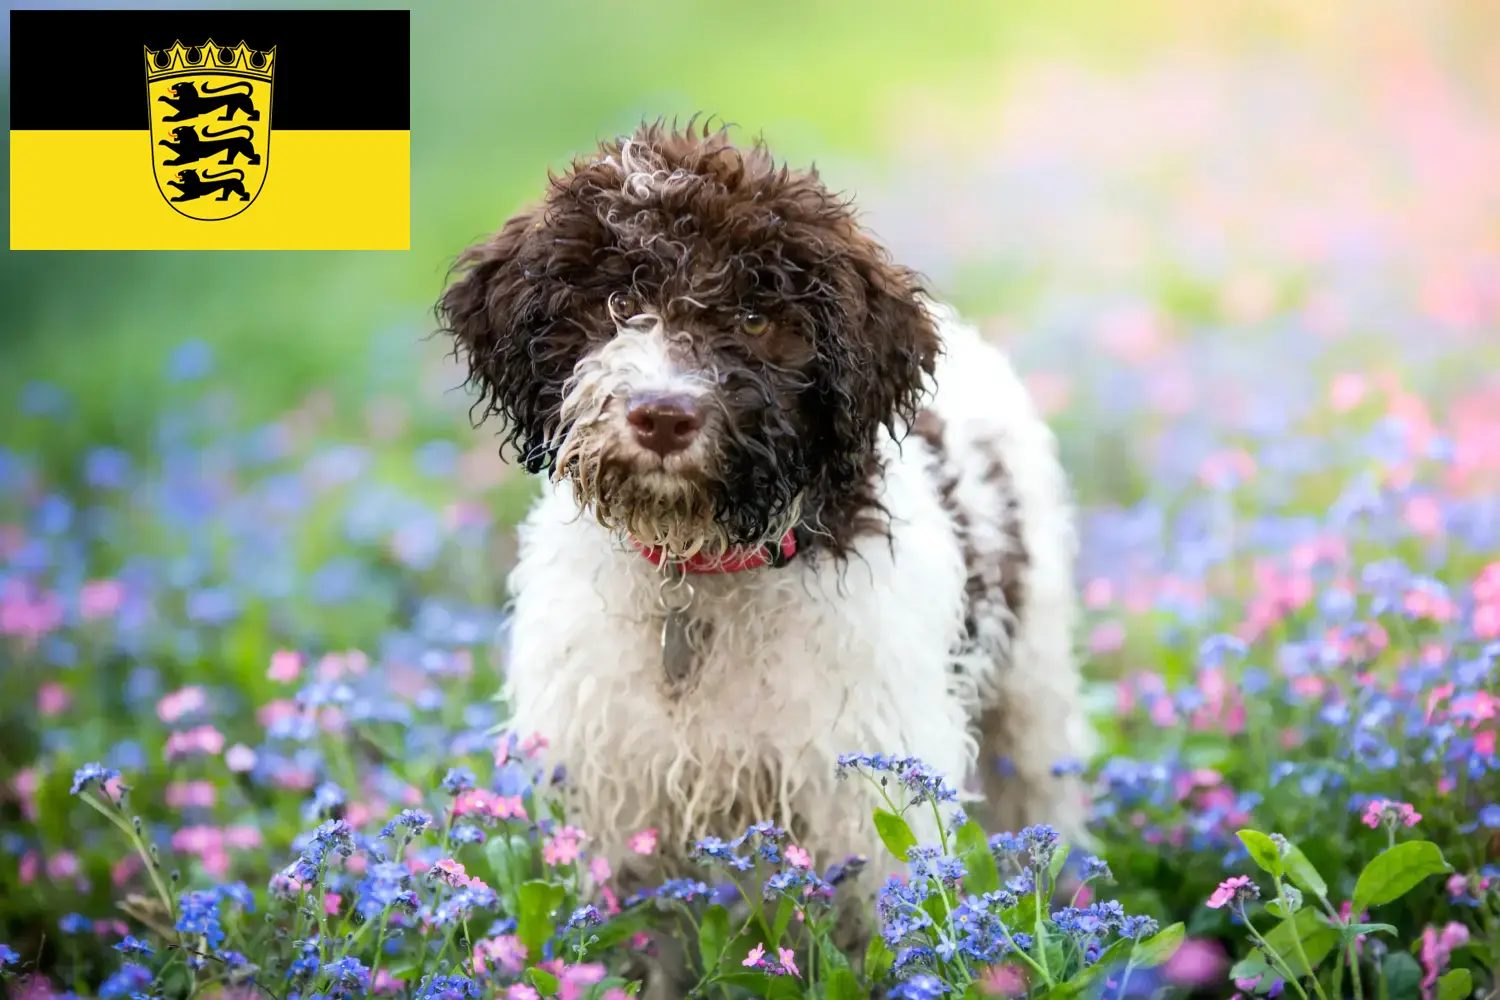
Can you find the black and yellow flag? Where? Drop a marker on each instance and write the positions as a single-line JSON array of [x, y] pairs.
[[210, 130]]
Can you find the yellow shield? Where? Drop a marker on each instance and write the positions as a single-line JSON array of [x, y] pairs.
[[210, 108]]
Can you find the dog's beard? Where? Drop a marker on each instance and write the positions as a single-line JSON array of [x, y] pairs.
[[681, 512], [732, 492], [656, 508]]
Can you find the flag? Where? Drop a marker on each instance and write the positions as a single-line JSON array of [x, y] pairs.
[[210, 130]]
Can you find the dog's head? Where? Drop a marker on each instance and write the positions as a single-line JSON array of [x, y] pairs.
[[703, 342]]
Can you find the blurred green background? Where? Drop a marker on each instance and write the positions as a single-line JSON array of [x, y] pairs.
[[502, 91]]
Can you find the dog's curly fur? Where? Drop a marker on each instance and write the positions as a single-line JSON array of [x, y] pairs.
[[929, 608]]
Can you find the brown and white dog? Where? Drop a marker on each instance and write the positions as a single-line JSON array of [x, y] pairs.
[[796, 508]]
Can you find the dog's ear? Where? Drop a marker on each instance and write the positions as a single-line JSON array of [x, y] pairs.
[[877, 344], [508, 313]]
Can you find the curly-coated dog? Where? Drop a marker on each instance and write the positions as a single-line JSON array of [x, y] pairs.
[[796, 508]]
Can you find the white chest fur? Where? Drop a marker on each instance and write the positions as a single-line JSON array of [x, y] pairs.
[[802, 663]]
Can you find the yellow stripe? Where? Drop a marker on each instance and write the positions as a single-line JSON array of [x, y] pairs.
[[87, 190]]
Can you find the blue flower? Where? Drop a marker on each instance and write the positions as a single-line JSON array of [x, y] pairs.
[[414, 820], [1096, 868], [466, 834], [920, 987], [327, 798], [129, 978], [238, 893], [1489, 816], [134, 946], [198, 913], [89, 775], [191, 360], [584, 916], [447, 988], [8, 956], [75, 923], [349, 972], [458, 780]]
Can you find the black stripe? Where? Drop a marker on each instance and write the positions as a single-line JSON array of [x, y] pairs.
[[335, 69]]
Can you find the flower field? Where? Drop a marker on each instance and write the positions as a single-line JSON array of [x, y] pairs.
[[247, 677]]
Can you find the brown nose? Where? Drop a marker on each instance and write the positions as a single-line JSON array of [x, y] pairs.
[[665, 424]]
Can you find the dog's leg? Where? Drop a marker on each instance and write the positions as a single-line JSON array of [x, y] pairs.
[[1032, 730]]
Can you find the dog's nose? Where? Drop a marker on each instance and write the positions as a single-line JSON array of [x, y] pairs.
[[665, 424]]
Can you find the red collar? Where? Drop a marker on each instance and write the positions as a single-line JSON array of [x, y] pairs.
[[735, 561]]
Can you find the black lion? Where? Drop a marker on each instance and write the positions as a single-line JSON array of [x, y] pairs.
[[192, 186], [188, 147], [187, 103]]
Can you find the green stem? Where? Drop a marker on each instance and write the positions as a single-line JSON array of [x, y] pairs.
[[128, 829], [1297, 941], [1125, 977], [1278, 963], [384, 916]]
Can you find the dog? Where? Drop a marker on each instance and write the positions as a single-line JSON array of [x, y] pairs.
[[793, 507]]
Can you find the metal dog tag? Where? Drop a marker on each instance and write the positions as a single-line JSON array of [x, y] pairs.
[[677, 652], [677, 646]]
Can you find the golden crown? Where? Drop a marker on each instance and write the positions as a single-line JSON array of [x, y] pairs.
[[210, 57]]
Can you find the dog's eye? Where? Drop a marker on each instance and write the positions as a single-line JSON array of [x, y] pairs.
[[754, 324], [622, 306]]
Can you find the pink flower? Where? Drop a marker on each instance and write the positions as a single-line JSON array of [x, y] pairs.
[[1107, 637], [1228, 889], [99, 599], [798, 857], [240, 759], [242, 838], [286, 665], [331, 901], [180, 703], [533, 745], [1436, 949], [520, 991], [599, 869], [451, 872], [1197, 962], [1345, 909], [26, 784], [1002, 981], [506, 950], [204, 740], [644, 842], [31, 867], [753, 959], [191, 795], [52, 699], [62, 865], [385, 983], [564, 846], [575, 977], [502, 750], [1379, 811], [787, 963]]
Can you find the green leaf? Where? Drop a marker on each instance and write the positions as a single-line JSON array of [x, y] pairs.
[[539, 900], [1372, 928], [1274, 908], [1393, 873], [1318, 938], [784, 914], [1106, 964], [1456, 985], [982, 874], [713, 936], [1155, 950], [618, 928], [545, 982], [1302, 873], [1402, 976], [894, 833], [1059, 858], [878, 960], [1262, 851], [1252, 965], [843, 986]]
